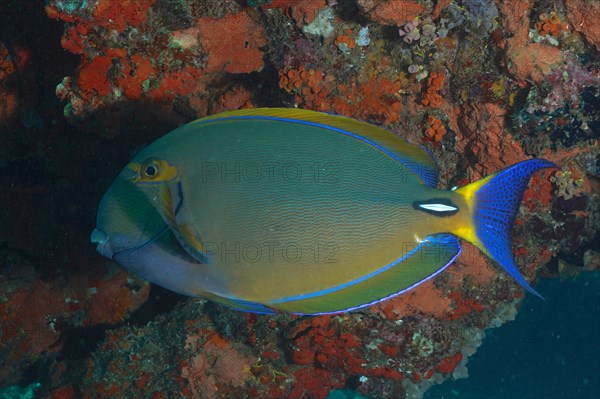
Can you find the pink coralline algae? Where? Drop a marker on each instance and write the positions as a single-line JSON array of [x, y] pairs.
[[567, 85]]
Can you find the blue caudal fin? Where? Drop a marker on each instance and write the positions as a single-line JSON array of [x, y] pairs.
[[495, 201]]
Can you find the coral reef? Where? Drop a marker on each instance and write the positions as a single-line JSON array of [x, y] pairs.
[[579, 12], [391, 12], [435, 129], [525, 60], [550, 25], [137, 58], [34, 318], [432, 96], [481, 84], [9, 100], [320, 353], [566, 186], [7, 66]]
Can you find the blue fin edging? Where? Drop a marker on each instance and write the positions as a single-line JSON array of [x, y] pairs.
[[252, 307], [497, 204]]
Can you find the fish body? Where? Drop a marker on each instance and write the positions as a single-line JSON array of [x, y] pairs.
[[298, 211]]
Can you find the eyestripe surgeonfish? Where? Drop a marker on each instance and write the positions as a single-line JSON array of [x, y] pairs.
[[299, 211]]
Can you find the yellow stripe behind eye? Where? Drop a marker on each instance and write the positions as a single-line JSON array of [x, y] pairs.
[[168, 208], [167, 172]]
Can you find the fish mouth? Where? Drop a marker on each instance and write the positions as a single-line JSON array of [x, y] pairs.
[[127, 218], [101, 238], [112, 247]]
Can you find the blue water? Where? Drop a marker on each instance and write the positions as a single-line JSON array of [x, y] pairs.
[[551, 351]]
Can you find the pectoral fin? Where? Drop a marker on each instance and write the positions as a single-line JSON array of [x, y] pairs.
[[190, 241]]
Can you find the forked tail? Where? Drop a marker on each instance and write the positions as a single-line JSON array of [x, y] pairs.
[[494, 202]]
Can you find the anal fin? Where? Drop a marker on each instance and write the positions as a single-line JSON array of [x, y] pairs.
[[427, 259]]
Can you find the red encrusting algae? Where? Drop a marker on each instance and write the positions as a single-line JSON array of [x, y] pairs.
[[447, 365], [232, 43]]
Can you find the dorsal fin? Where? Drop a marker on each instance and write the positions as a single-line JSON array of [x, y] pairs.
[[416, 159]]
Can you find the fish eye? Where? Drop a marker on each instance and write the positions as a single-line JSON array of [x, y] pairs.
[[150, 170]]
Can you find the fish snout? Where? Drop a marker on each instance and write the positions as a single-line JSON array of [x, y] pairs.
[[103, 248]]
